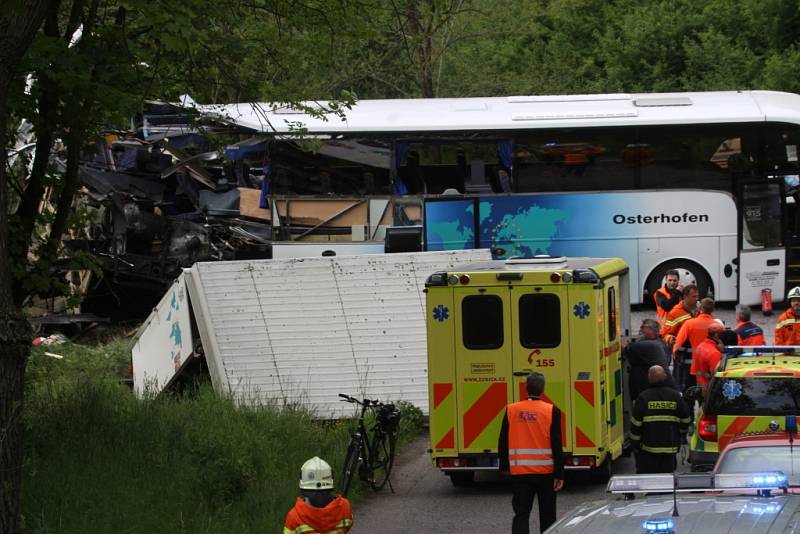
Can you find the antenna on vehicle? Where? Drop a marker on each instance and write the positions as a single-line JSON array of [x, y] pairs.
[[675, 495]]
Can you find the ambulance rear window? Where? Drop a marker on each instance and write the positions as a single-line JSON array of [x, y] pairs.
[[539, 320], [753, 396], [482, 322]]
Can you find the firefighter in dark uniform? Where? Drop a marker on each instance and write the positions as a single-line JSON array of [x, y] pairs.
[[658, 425]]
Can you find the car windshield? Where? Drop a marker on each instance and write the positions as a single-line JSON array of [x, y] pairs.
[[754, 396], [772, 458]]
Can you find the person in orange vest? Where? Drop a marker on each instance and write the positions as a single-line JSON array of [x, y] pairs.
[[787, 331], [530, 448], [681, 312], [707, 355], [318, 510], [659, 423], [692, 332], [668, 296], [749, 333]]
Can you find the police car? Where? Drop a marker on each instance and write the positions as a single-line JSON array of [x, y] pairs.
[[753, 390], [689, 503]]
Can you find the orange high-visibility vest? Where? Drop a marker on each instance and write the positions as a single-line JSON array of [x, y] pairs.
[[661, 313], [335, 518], [530, 451]]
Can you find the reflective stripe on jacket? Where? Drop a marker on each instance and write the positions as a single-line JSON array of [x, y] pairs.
[[673, 321], [529, 448]]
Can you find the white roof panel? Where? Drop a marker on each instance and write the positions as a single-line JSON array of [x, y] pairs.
[[305, 330]]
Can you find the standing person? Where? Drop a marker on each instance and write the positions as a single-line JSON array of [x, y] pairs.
[[692, 332], [707, 355], [659, 423], [318, 510], [668, 296], [749, 333], [676, 318], [787, 331], [681, 312], [530, 448], [642, 354]]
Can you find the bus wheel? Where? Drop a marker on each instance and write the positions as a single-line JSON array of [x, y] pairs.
[[462, 479], [690, 273]]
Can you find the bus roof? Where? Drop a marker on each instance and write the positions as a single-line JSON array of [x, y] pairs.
[[492, 114]]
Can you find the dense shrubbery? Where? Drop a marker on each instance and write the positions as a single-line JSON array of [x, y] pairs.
[[100, 460]]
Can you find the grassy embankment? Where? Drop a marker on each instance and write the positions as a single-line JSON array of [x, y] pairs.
[[100, 460]]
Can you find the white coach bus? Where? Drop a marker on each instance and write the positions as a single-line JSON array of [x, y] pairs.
[[700, 182]]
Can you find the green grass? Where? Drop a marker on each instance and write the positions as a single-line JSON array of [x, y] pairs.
[[97, 459]]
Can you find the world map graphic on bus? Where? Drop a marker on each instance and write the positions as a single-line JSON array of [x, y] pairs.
[[506, 226]]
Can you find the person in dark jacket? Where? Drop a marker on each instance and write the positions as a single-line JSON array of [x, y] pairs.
[[530, 448], [642, 354], [659, 423]]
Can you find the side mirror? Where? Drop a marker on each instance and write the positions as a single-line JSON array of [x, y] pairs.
[[694, 393]]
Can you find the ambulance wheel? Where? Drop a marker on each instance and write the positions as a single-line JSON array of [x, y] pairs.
[[462, 479], [603, 472], [691, 273]]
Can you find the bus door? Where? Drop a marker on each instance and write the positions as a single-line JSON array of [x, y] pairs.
[[762, 254], [540, 342], [483, 365]]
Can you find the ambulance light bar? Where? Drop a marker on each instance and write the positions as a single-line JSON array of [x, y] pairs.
[[658, 526], [436, 279], [684, 482]]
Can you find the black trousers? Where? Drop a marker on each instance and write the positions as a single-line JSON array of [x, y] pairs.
[[648, 462], [525, 488]]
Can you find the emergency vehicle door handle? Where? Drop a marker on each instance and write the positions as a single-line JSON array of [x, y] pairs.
[[523, 373]]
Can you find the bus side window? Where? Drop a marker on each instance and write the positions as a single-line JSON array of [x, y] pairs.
[[540, 321], [482, 322]]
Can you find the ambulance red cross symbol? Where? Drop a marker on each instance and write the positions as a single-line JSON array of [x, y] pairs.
[[534, 352]]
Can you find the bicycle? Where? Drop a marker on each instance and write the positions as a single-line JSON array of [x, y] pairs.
[[372, 457]]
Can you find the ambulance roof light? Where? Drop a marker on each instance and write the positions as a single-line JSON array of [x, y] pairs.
[[583, 276], [667, 483], [436, 279]]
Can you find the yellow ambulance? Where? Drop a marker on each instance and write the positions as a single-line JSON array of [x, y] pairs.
[[754, 389], [491, 324]]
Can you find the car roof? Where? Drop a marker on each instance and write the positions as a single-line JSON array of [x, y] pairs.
[[761, 439], [725, 513]]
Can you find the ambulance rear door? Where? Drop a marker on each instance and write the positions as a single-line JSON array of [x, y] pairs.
[[483, 365], [540, 342]]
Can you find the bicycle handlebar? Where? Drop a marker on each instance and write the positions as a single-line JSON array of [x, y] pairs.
[[365, 402]]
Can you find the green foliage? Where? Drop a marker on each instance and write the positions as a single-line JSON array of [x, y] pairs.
[[100, 460]]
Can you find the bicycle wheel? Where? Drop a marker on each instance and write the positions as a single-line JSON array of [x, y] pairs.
[[381, 459], [350, 463]]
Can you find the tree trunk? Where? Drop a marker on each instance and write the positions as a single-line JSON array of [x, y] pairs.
[[18, 25]]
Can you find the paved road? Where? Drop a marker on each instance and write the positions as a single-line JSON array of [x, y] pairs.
[[426, 501]]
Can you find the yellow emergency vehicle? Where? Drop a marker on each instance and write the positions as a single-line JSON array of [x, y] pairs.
[[753, 390], [491, 324]]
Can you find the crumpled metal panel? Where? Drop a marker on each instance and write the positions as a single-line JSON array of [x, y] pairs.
[[304, 330]]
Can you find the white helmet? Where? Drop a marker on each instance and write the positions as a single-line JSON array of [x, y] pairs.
[[316, 475], [794, 293]]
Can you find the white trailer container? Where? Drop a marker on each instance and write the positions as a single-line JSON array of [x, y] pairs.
[[301, 331]]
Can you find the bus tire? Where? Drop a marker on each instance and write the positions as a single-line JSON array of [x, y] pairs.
[[462, 479], [691, 273]]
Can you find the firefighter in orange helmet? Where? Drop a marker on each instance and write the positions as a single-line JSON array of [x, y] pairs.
[[787, 331], [530, 448], [318, 510]]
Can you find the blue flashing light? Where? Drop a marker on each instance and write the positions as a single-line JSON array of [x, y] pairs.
[[658, 526], [768, 480], [791, 423]]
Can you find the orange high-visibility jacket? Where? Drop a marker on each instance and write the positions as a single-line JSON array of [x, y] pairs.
[[335, 518], [705, 361], [787, 331], [529, 447], [694, 331], [663, 295], [673, 321]]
